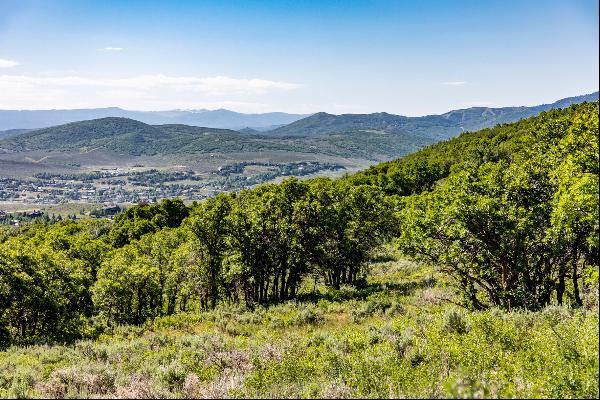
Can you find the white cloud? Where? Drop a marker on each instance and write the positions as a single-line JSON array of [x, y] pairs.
[[8, 63], [454, 83], [112, 49], [143, 92]]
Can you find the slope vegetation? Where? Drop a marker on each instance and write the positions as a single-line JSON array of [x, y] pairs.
[[431, 126], [293, 290], [128, 136]]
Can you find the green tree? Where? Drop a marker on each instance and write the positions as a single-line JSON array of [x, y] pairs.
[[208, 225]]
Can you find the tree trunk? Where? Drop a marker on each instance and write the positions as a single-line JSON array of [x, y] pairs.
[[560, 287], [291, 283], [213, 288], [275, 287], [283, 289], [575, 279], [576, 285]]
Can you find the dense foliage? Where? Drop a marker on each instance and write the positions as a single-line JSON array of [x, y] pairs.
[[66, 280], [515, 216], [511, 213]]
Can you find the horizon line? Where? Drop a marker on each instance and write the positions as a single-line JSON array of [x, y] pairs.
[[289, 113]]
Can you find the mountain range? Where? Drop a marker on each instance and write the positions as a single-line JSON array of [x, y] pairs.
[[282, 124], [34, 119], [375, 136]]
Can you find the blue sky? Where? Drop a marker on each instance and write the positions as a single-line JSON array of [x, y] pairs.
[[403, 57]]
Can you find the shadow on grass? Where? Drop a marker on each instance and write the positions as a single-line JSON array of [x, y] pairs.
[[361, 292], [383, 258]]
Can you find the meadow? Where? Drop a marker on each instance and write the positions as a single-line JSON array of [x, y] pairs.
[[397, 335]]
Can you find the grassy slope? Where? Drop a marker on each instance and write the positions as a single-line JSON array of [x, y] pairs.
[[393, 338]]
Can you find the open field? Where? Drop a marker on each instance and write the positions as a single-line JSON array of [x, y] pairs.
[[57, 209], [26, 164]]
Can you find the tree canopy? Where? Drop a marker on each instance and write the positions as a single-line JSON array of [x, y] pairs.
[[511, 213]]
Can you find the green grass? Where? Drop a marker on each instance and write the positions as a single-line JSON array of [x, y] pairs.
[[398, 336]]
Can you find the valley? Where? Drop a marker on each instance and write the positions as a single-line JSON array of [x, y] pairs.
[[115, 160], [38, 180]]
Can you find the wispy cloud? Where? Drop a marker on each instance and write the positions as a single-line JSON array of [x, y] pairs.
[[112, 48], [209, 85], [8, 63], [138, 92], [454, 83]]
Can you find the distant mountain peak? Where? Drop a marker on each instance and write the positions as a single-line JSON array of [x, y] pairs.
[[221, 118]]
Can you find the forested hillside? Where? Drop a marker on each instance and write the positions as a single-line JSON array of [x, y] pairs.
[[437, 127], [504, 221], [128, 136], [131, 137], [510, 212]]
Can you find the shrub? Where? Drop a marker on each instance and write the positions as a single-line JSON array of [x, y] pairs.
[[173, 376], [140, 387], [374, 304], [21, 385], [395, 309], [308, 315], [276, 322], [92, 380], [359, 314], [403, 342], [456, 322], [374, 336], [557, 314]]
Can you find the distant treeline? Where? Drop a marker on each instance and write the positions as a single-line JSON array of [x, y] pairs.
[[510, 212], [13, 218], [151, 176]]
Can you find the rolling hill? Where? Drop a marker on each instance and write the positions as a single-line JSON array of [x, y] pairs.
[[376, 137], [123, 135], [12, 132], [431, 126], [127, 136]]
